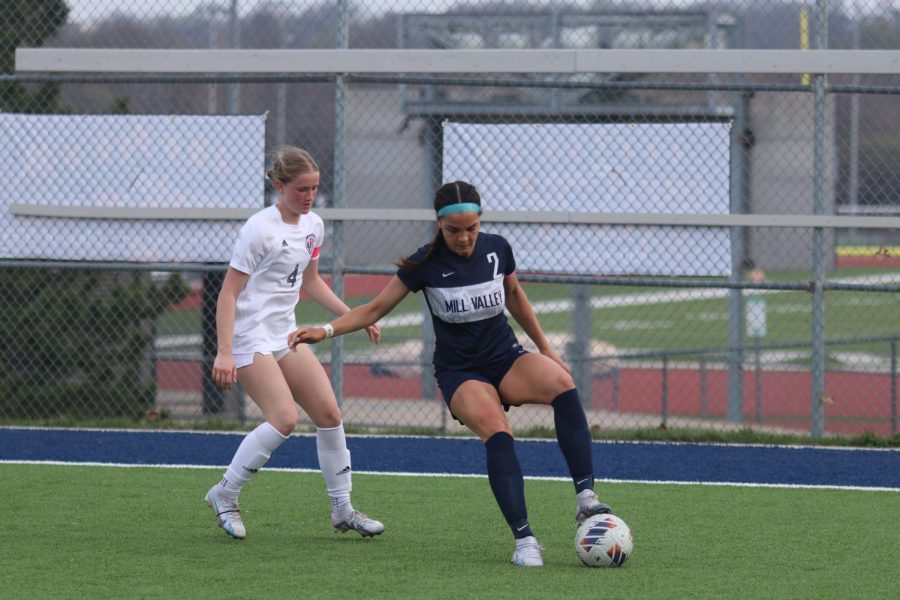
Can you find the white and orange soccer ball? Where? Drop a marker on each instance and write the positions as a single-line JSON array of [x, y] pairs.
[[604, 541]]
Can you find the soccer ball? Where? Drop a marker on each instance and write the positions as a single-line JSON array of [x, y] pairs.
[[604, 541]]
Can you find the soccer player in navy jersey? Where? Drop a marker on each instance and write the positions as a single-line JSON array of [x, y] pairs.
[[468, 278]]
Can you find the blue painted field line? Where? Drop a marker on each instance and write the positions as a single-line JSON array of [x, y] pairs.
[[620, 461]]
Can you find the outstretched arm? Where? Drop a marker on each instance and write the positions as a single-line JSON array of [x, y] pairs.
[[520, 308], [363, 315], [320, 291]]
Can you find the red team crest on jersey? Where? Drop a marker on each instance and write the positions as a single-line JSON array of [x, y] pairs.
[[310, 243]]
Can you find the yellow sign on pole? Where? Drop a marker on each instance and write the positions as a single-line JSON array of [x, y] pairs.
[[804, 39]]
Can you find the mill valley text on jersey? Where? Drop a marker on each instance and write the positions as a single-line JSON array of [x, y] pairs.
[[470, 303]]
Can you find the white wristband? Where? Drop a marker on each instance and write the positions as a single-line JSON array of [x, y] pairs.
[[329, 330]]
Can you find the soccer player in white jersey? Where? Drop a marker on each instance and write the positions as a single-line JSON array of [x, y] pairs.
[[275, 256], [468, 278]]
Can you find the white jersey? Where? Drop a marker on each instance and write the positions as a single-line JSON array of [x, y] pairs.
[[274, 254]]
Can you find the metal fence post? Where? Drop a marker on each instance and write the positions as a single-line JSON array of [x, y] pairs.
[[338, 201], [432, 136], [758, 384], [664, 409], [817, 416], [738, 258], [234, 41], [580, 348], [893, 387], [704, 407]]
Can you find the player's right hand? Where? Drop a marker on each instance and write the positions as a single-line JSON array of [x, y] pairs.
[[306, 335], [224, 373], [552, 355]]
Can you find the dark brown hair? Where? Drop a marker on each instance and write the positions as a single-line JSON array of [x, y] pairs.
[[454, 192]]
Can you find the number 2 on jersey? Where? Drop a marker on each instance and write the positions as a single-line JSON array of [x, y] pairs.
[[292, 278], [492, 258]]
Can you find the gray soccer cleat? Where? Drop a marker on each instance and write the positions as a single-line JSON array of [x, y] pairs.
[[227, 513], [359, 523], [589, 505], [528, 553]]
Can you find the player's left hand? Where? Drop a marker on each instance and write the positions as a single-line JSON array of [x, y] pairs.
[[374, 333]]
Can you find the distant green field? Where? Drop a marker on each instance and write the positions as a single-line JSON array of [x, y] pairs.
[[100, 532], [658, 317], [689, 324]]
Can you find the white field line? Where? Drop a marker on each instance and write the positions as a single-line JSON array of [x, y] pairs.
[[467, 476]]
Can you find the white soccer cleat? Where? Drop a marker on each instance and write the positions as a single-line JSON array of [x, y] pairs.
[[227, 513], [528, 553], [589, 505], [359, 523]]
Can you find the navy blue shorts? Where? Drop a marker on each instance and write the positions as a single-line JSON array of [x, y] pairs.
[[491, 373]]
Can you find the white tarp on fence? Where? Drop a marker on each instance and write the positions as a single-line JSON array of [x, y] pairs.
[[140, 161], [601, 167]]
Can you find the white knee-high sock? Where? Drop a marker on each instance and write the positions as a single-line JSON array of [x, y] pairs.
[[251, 455], [334, 461]]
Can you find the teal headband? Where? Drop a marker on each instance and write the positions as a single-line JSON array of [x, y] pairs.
[[460, 207]]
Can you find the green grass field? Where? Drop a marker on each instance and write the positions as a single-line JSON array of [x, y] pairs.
[[94, 532]]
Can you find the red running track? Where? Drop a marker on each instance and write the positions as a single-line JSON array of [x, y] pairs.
[[859, 402]]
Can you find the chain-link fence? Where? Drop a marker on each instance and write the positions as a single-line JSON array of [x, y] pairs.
[[122, 196]]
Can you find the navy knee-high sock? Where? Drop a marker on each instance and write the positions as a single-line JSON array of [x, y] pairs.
[[574, 438], [505, 476]]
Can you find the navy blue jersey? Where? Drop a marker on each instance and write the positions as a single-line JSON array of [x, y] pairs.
[[466, 299]]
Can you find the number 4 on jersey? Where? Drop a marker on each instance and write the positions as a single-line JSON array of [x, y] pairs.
[[292, 278]]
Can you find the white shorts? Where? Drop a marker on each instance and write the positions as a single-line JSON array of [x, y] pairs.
[[245, 360]]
